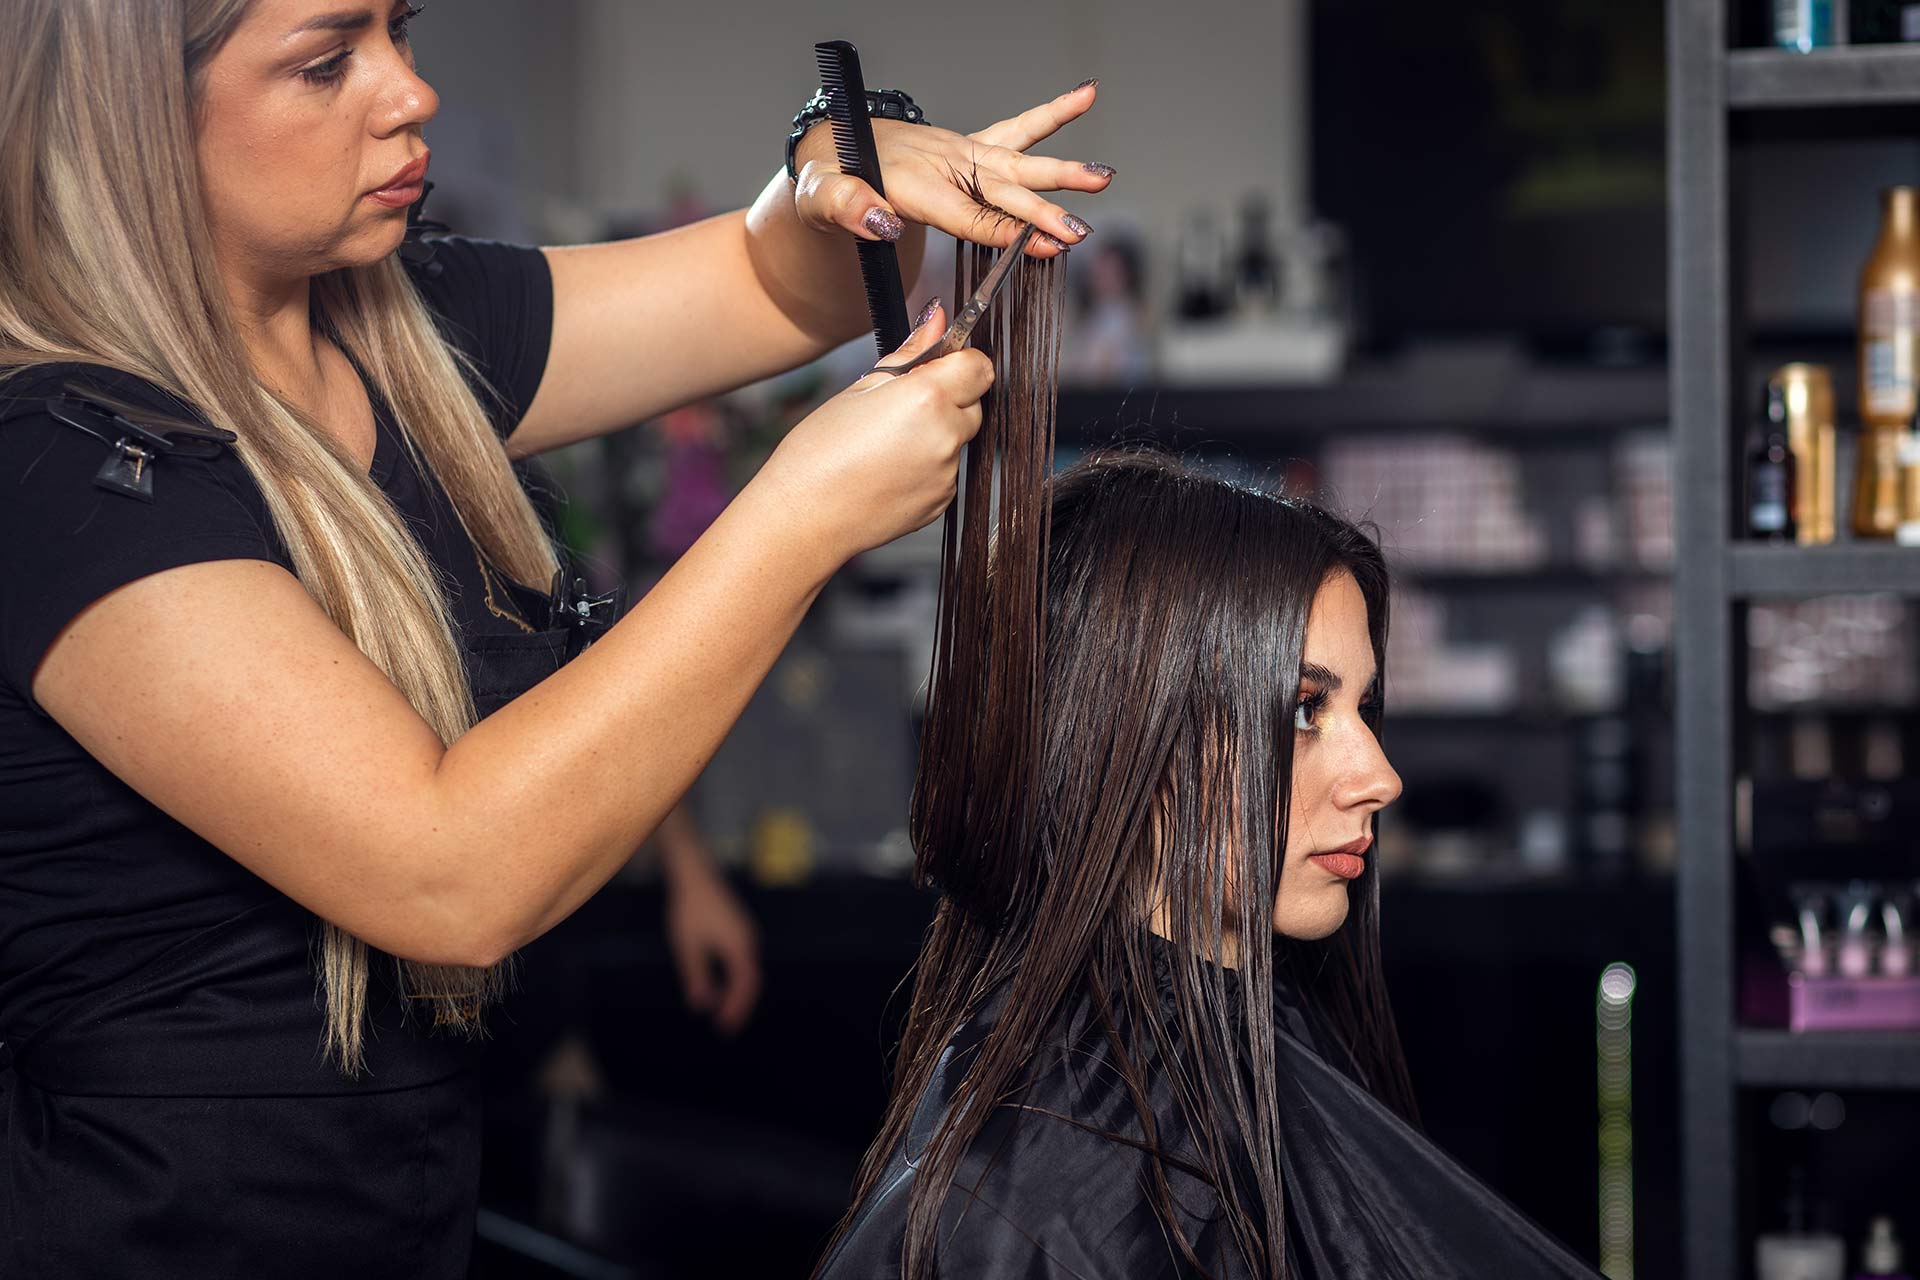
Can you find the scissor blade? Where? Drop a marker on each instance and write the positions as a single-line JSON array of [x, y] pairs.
[[1003, 266], [995, 280]]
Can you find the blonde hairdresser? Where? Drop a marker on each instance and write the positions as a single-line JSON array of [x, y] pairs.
[[197, 196]]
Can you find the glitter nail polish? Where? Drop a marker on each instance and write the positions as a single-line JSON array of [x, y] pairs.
[[1061, 245], [926, 312], [1078, 225], [883, 223], [1099, 170], [1084, 83]]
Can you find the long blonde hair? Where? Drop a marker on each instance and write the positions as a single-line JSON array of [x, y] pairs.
[[106, 257]]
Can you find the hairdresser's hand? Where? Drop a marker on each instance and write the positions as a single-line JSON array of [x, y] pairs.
[[979, 187], [880, 459]]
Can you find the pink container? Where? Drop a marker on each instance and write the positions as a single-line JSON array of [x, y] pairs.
[[1853, 1004]]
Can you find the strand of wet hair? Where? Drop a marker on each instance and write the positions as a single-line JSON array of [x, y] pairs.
[[975, 814]]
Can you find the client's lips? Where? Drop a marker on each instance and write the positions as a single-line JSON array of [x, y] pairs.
[[1348, 861], [404, 187]]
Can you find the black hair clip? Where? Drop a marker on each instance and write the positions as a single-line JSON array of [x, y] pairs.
[[585, 616], [136, 448], [416, 249]]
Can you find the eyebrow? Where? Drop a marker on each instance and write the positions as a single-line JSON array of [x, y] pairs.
[[1314, 673], [344, 20], [1317, 674]]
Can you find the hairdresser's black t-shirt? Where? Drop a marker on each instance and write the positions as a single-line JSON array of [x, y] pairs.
[[96, 884], [166, 1111]]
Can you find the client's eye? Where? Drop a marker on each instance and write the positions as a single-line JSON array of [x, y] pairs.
[[1306, 712]]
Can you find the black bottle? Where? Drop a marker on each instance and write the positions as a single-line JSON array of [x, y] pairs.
[[1256, 274], [1881, 21], [1770, 473], [1203, 274]]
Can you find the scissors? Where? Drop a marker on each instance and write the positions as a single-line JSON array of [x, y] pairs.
[[961, 330]]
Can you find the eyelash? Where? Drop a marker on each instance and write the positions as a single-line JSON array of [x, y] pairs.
[[1311, 703], [334, 69]]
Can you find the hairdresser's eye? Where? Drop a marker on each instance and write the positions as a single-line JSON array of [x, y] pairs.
[[1306, 712], [397, 29], [330, 71]]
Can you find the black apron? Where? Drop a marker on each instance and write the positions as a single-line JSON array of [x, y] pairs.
[[183, 1123]]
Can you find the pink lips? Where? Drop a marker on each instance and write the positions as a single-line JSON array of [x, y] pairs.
[[1347, 861], [404, 187]]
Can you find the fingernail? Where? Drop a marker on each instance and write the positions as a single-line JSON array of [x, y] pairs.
[[1099, 170], [1061, 245], [1077, 225], [1084, 83], [883, 223], [926, 312]]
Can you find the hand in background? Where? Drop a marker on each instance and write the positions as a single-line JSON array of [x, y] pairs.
[[715, 946]]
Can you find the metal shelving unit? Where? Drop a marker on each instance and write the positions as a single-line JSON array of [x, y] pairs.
[[1758, 571], [1771, 79], [1707, 85], [1833, 1061], [1533, 403]]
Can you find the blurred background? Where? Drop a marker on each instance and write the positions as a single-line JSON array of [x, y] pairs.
[[1411, 258]]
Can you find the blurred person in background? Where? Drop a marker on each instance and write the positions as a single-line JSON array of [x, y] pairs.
[[298, 742], [709, 932]]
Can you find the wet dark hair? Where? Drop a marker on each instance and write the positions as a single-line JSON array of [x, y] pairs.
[[1112, 705]]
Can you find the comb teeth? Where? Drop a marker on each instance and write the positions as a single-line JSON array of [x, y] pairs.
[[846, 90], [829, 56], [840, 76]]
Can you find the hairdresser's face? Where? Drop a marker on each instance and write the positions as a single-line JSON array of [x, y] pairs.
[[306, 115], [1341, 778]]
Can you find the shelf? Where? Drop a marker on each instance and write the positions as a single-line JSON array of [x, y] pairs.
[[1834, 1060], [1547, 403], [1759, 571], [1537, 578], [1867, 75], [1517, 719]]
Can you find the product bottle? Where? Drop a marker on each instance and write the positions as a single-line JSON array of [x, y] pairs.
[[1884, 21], [1202, 284], [1796, 1253], [1806, 25], [1810, 432], [1907, 533], [1880, 1255], [1889, 324], [1770, 473], [1256, 273]]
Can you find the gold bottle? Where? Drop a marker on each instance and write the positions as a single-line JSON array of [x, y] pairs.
[[1808, 391], [1889, 329]]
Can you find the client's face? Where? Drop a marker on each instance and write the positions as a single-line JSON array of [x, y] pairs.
[[1341, 777]]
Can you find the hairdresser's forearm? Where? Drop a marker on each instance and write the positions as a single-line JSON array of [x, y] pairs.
[[543, 801], [814, 276], [646, 325]]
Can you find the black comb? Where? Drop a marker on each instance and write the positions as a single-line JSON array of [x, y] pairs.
[[846, 91]]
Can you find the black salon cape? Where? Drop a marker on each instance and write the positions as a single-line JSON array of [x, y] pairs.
[[163, 1104], [1043, 1195]]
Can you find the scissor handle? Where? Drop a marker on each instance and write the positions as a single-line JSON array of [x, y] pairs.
[[947, 345]]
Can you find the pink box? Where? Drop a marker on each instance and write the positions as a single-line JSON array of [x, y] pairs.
[[1853, 1004]]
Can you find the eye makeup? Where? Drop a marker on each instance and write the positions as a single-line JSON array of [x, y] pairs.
[[330, 71]]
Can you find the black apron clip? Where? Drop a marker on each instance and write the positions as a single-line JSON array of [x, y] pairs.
[[586, 616], [136, 448], [416, 247]]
